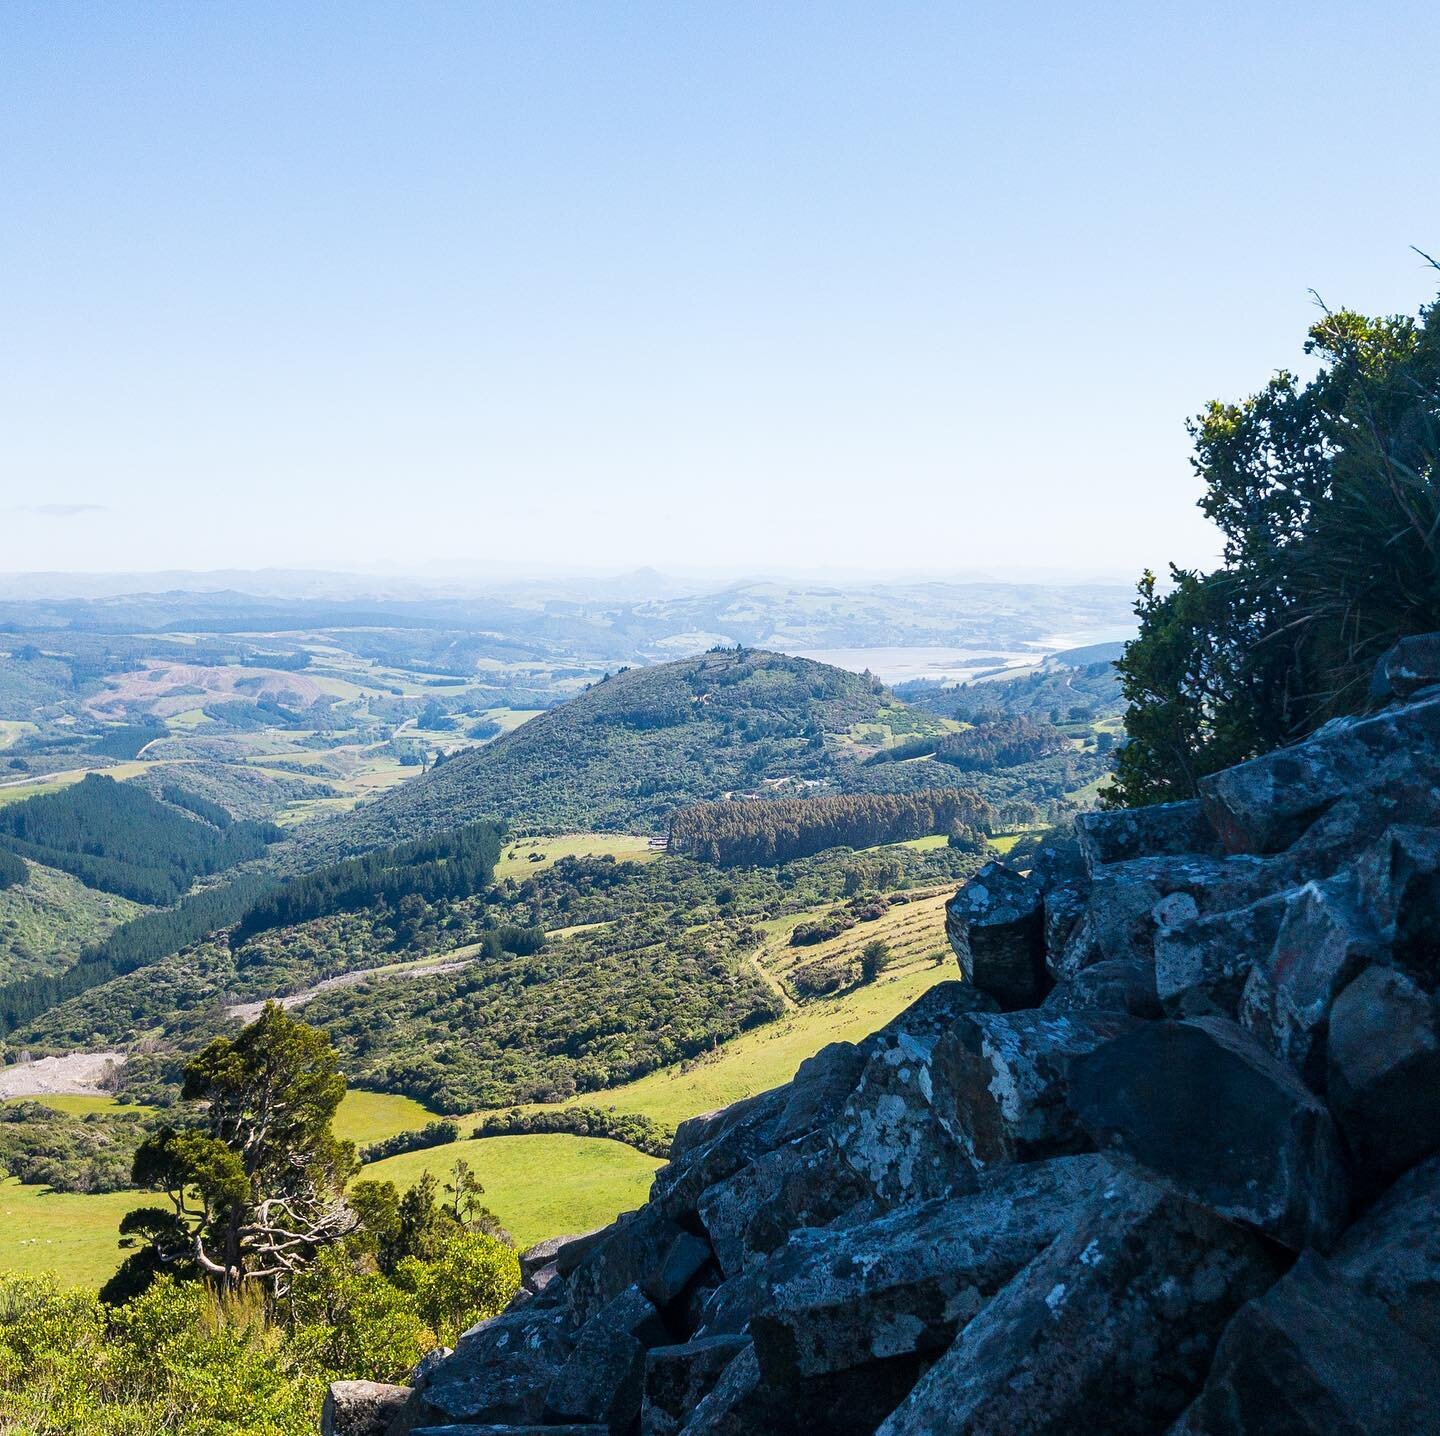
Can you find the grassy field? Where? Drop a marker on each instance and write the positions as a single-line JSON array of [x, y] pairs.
[[372, 1116], [768, 1056], [914, 932], [538, 1186], [529, 855], [75, 1237], [13, 729], [18, 792]]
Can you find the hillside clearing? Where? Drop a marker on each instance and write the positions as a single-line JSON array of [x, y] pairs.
[[77, 1073], [538, 1186], [525, 856]]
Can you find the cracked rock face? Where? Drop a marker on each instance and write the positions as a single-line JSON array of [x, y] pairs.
[[1165, 1159]]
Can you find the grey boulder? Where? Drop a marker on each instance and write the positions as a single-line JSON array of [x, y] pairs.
[[996, 925], [1108, 1329], [905, 1283], [361, 1408], [1384, 1071], [1203, 1109], [1162, 829], [1315, 1356], [1002, 1081]]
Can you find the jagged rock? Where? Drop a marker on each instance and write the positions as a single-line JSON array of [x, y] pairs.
[[563, 1253], [818, 1092], [631, 1254], [547, 1283], [501, 1369], [1384, 1071], [1064, 908], [1109, 1329], [1203, 1109], [603, 1378], [678, 1378], [361, 1408], [1315, 1356], [1321, 945], [1164, 829], [1201, 967], [602, 1382], [1400, 887], [1124, 985], [888, 1133], [932, 1014], [742, 1403], [904, 1284], [737, 1405], [684, 1259], [728, 1208], [818, 1192], [634, 1313], [729, 1307], [427, 1366], [997, 927], [1266, 804], [1410, 666], [1392, 1253], [697, 1132], [1120, 914], [1059, 861], [1002, 1082], [729, 1140]]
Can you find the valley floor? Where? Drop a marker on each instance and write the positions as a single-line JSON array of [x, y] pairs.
[[538, 1185]]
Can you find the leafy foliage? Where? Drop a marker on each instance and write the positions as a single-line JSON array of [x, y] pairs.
[[432, 1134], [633, 1128], [174, 1359], [1328, 495], [45, 1147], [254, 1187]]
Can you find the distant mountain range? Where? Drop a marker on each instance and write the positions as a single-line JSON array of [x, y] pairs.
[[638, 619]]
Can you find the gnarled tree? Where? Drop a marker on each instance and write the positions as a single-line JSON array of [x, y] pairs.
[[256, 1185]]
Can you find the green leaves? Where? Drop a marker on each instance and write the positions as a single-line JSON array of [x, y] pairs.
[[1328, 495]]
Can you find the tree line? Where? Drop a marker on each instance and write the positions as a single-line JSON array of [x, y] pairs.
[[449, 865], [116, 837], [765, 831], [13, 872]]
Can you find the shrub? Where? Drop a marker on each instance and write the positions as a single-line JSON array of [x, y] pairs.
[[1328, 496]]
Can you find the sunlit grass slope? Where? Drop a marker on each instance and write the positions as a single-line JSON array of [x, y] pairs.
[[538, 1186]]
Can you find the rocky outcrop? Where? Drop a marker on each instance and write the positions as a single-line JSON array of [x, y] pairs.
[[1165, 1160]]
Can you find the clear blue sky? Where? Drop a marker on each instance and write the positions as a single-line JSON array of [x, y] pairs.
[[901, 286]]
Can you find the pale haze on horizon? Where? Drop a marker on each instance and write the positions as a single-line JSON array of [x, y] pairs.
[[920, 288]]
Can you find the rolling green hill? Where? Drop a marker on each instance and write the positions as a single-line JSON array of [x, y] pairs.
[[623, 754]]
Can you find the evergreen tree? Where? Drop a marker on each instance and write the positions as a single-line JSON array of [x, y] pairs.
[[255, 1186]]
